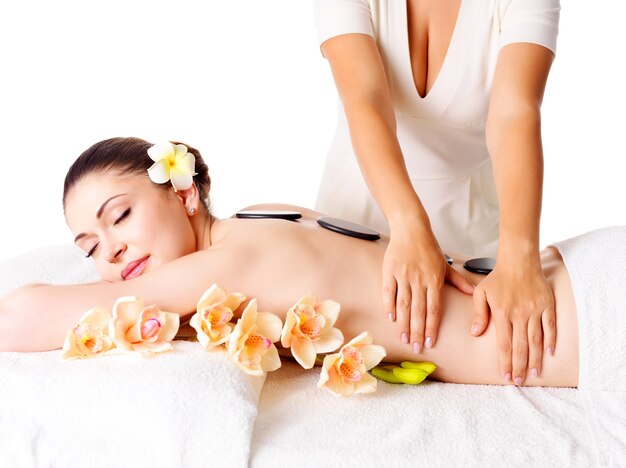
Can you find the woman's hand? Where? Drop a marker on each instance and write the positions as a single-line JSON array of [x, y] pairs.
[[414, 272], [522, 305]]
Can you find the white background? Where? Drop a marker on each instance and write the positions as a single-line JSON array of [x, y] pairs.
[[244, 82]]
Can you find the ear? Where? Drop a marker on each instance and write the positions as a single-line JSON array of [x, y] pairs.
[[190, 199]]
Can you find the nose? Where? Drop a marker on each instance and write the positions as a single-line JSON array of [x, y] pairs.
[[115, 251]]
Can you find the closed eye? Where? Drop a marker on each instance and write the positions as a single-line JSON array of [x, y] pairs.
[[93, 249], [123, 216]]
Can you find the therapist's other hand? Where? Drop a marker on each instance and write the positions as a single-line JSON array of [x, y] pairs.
[[522, 305], [414, 272]]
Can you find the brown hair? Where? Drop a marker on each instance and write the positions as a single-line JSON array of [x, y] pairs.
[[129, 156]]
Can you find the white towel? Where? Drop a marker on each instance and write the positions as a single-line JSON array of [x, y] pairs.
[[60, 264], [596, 262], [431, 424], [187, 408]]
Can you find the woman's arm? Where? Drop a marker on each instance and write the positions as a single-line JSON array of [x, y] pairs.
[[414, 269], [516, 291], [37, 317]]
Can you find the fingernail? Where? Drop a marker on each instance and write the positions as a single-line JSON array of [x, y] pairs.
[[390, 317], [534, 372], [416, 348], [429, 342], [405, 338], [518, 381], [551, 351], [507, 377], [474, 329]]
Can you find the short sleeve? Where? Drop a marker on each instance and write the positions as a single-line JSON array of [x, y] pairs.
[[337, 17], [535, 21]]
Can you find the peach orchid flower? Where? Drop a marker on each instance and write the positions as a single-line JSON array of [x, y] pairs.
[[147, 330], [251, 343], [309, 329], [89, 338], [213, 314], [345, 373]]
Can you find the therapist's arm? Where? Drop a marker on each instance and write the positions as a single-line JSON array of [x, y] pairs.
[[516, 292], [414, 269]]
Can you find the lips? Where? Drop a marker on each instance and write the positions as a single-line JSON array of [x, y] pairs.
[[135, 268]]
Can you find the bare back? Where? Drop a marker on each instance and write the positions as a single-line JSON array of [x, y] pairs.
[[280, 261]]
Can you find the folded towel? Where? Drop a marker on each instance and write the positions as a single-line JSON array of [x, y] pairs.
[[60, 264], [187, 408]]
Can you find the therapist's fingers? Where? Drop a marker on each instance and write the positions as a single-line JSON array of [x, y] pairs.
[[418, 319], [403, 310], [433, 315], [520, 350], [481, 312], [389, 294], [548, 320], [505, 342], [535, 345], [459, 281]]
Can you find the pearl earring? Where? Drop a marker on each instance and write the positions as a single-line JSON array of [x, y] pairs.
[[191, 210]]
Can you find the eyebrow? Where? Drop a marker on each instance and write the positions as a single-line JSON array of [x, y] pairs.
[[98, 215]]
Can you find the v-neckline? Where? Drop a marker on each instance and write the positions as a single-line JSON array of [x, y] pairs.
[[447, 58]]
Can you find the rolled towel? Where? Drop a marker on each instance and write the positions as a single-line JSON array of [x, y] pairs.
[[596, 262]]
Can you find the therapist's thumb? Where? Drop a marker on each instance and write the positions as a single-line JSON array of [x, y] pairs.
[[481, 312]]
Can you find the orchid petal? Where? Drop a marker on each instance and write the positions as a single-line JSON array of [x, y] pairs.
[[125, 314], [269, 325], [160, 151], [271, 360], [363, 339], [211, 296], [336, 384], [286, 335], [257, 371], [180, 180], [329, 341], [71, 347], [133, 334], [304, 352], [128, 308], [234, 300], [248, 316], [327, 364], [330, 310], [159, 172], [234, 338], [308, 300], [169, 327], [158, 347], [372, 355], [367, 384]]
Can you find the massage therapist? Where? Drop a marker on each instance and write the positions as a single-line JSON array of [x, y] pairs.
[[438, 143]]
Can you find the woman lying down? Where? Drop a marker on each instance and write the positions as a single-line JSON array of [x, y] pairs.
[[150, 240]]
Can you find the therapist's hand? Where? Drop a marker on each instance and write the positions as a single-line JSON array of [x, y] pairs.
[[414, 272], [522, 305]]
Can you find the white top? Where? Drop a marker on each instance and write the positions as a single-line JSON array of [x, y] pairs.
[[442, 135]]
